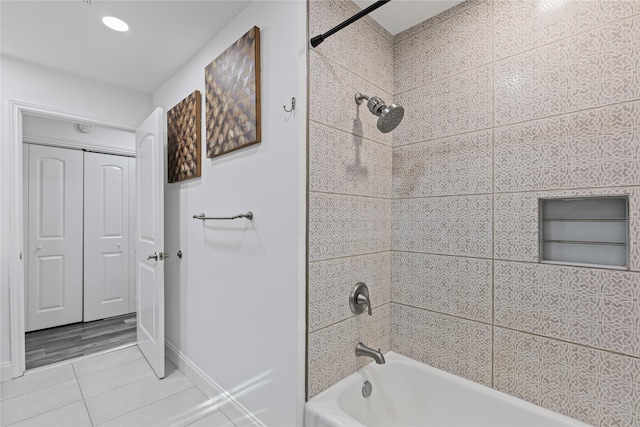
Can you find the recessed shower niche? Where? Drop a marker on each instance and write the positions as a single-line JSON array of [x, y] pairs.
[[585, 231]]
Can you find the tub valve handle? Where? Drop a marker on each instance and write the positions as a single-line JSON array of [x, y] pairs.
[[359, 299], [364, 299]]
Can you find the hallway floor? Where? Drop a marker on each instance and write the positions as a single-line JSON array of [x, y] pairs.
[[113, 389], [53, 345]]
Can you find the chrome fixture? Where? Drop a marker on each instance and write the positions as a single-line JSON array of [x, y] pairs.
[[293, 106], [202, 216], [158, 256], [363, 350], [367, 388], [359, 299], [389, 116]]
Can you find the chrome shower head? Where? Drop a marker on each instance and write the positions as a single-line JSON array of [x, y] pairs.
[[389, 116]]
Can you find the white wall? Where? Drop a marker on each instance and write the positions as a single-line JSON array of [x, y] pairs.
[[235, 302], [50, 131], [29, 83]]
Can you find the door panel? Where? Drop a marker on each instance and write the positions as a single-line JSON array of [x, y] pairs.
[[132, 237], [54, 244], [106, 235], [150, 228]]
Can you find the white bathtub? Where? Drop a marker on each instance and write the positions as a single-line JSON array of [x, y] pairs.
[[410, 393]]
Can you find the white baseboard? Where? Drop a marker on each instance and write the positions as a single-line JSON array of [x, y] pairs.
[[5, 371], [238, 414]]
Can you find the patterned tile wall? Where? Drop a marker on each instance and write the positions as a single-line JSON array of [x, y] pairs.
[[331, 281], [433, 46], [596, 386], [591, 69], [447, 284], [516, 219], [453, 225], [341, 162], [507, 102], [459, 104], [593, 148], [460, 164], [350, 193], [588, 306], [331, 350], [456, 345]]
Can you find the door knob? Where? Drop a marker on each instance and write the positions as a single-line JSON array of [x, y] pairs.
[[38, 247], [158, 256]]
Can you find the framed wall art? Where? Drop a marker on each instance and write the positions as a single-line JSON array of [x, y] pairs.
[[183, 139], [232, 90]]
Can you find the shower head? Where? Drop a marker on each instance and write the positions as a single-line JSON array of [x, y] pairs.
[[389, 116]]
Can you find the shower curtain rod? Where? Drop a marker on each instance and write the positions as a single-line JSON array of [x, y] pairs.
[[315, 41]]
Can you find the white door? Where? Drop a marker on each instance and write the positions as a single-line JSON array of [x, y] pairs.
[[150, 241], [54, 272], [133, 235], [106, 236]]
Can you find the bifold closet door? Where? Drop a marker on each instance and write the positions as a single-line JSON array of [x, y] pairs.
[[54, 244], [106, 236]]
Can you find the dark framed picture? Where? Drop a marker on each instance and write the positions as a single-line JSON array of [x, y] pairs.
[[232, 90], [183, 139]]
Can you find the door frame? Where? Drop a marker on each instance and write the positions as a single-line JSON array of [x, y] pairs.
[[16, 266]]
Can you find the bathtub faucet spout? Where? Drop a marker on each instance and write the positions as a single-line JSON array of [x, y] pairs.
[[363, 350]]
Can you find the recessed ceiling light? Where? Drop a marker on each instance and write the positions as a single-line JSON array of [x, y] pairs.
[[115, 23]]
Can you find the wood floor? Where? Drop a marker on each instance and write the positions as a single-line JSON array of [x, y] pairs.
[[54, 345]]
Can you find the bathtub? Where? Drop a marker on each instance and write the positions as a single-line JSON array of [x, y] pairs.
[[409, 393]]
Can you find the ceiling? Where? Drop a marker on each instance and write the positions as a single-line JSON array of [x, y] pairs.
[[68, 35], [398, 15]]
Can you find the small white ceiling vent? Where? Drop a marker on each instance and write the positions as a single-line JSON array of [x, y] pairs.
[[85, 128]]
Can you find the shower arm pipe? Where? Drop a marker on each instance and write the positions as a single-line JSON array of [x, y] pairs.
[[315, 41], [360, 97]]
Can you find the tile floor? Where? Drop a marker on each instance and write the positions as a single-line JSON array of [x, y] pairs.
[[113, 389]]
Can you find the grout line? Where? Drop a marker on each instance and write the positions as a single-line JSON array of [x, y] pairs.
[[512, 55], [351, 256], [351, 195], [493, 191], [433, 25], [440, 138], [380, 306], [553, 264], [84, 401], [568, 342], [353, 73], [442, 313], [566, 113], [513, 124], [517, 330], [446, 77], [506, 193], [579, 33], [350, 133], [35, 390], [442, 255], [226, 416], [45, 413], [440, 196], [151, 403]]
